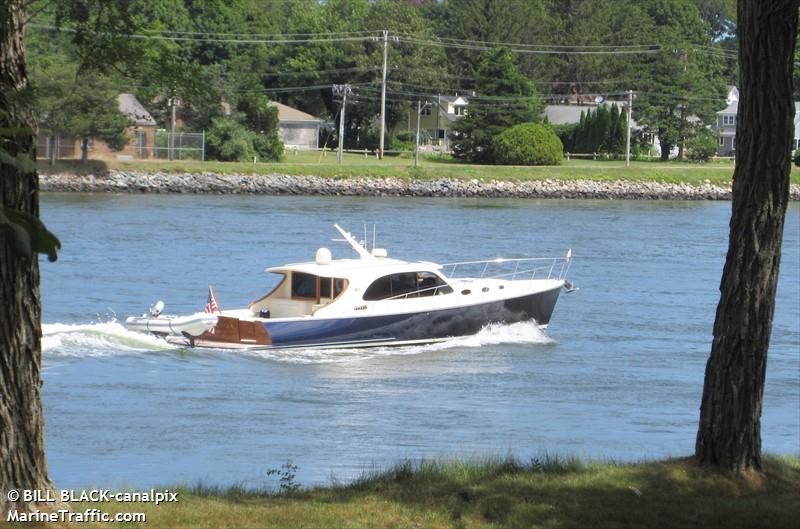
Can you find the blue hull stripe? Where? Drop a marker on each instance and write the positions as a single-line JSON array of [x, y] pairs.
[[419, 326]]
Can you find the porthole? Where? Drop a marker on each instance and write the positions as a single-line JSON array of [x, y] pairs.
[[501, 287], [485, 289], [466, 292]]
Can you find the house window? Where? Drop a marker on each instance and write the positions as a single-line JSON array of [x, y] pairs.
[[426, 111], [721, 141], [728, 120], [460, 110]]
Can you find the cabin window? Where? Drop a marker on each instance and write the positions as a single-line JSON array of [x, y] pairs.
[[304, 285], [406, 285], [338, 286], [309, 286]]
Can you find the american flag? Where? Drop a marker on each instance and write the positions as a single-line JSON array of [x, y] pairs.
[[211, 303]]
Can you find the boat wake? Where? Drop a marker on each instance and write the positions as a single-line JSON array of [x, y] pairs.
[[97, 339], [515, 333], [111, 338]]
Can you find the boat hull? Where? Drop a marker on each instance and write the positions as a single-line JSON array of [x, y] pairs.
[[414, 327]]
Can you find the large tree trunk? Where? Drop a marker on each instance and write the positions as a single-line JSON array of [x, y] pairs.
[[729, 435], [22, 459]]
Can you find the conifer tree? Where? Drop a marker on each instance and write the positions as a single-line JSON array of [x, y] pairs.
[[505, 98]]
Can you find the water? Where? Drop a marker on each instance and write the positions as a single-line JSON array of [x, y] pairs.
[[619, 373]]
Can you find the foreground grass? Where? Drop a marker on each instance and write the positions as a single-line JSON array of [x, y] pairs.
[[313, 163], [544, 493]]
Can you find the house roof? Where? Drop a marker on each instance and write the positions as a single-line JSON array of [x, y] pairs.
[[290, 114], [133, 109], [564, 114], [732, 108], [569, 114]]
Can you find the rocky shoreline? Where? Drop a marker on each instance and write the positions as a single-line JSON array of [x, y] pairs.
[[280, 184]]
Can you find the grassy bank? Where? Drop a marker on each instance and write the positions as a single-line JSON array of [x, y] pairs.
[[313, 163], [546, 492]]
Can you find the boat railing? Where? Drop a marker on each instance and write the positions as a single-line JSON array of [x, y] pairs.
[[423, 292], [513, 269]]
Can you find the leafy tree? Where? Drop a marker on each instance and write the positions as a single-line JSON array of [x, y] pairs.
[[517, 21], [262, 119], [683, 83], [729, 433], [506, 99], [598, 23], [720, 15], [412, 67]]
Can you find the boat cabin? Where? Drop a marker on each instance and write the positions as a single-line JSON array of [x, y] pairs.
[[306, 288], [298, 294]]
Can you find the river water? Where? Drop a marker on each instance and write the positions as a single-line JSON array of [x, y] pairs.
[[618, 374]]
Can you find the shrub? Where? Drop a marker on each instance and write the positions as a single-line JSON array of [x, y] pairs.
[[229, 141], [702, 146], [797, 158], [268, 146], [528, 144]]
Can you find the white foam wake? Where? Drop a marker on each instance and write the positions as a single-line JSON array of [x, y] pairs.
[[515, 333], [97, 339]]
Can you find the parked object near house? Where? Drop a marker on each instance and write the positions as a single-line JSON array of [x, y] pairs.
[[297, 129], [372, 301], [141, 133]]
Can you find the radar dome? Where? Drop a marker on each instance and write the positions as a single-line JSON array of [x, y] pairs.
[[323, 256]]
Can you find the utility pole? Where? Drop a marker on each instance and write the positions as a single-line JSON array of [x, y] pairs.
[[438, 107], [383, 93], [420, 106], [628, 140], [172, 133], [341, 90]]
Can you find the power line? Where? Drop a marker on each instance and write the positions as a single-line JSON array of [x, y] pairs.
[[532, 51], [139, 36], [451, 40]]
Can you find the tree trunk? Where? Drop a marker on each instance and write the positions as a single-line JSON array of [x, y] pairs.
[[84, 150], [22, 458], [665, 150], [729, 434]]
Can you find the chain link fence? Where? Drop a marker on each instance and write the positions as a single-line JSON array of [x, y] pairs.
[[179, 146]]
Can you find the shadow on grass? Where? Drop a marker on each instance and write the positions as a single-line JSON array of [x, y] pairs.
[[556, 492], [75, 167]]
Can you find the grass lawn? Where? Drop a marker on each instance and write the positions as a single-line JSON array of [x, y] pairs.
[[546, 492], [354, 165]]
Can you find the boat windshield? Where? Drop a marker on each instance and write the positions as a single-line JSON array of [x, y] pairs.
[[406, 285]]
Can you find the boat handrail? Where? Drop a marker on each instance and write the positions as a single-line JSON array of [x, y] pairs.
[[415, 293], [557, 267]]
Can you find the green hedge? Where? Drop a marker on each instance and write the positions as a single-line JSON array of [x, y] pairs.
[[528, 144]]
